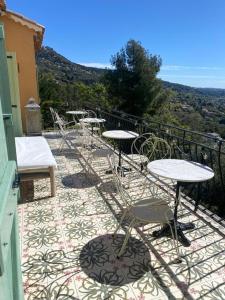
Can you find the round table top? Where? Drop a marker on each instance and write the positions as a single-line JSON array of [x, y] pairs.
[[180, 170], [120, 134], [77, 112], [92, 120]]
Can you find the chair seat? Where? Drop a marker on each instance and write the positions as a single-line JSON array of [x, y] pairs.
[[152, 210], [96, 128], [138, 158]]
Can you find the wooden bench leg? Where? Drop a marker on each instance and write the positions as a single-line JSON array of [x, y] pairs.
[[52, 181]]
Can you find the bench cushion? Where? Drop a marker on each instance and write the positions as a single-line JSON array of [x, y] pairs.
[[33, 153]]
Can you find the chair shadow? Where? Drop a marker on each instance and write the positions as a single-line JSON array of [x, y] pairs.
[[80, 180], [107, 187], [63, 152], [68, 153], [156, 273], [98, 260], [52, 136]]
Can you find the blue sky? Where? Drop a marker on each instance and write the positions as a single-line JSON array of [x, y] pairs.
[[189, 35]]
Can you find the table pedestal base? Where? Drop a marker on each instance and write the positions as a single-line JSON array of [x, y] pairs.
[[166, 231], [120, 170]]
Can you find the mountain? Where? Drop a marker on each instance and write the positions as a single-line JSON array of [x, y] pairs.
[[180, 88], [49, 61], [199, 109]]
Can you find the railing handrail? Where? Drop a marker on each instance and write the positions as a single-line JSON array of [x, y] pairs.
[[145, 123], [168, 125], [187, 144]]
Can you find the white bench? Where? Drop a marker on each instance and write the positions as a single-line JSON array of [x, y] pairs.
[[35, 160]]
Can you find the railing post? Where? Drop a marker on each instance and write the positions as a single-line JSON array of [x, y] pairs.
[[220, 167]]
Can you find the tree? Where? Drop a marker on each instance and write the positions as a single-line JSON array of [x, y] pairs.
[[132, 83], [69, 96]]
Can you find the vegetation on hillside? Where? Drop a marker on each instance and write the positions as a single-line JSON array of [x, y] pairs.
[[64, 85], [67, 96], [63, 70]]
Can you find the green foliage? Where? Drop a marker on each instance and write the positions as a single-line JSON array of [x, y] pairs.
[[68, 96], [131, 86], [132, 82]]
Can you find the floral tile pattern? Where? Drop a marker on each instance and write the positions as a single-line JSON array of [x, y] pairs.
[[68, 251]]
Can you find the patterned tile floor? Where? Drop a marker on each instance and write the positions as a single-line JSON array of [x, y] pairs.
[[68, 251]]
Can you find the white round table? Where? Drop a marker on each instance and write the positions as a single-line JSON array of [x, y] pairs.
[[120, 135], [92, 122], [76, 113], [181, 171]]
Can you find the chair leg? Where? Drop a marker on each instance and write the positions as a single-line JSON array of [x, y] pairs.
[[126, 239], [61, 145], [120, 223]]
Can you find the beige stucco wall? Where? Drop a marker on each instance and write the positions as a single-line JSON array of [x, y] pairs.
[[20, 39]]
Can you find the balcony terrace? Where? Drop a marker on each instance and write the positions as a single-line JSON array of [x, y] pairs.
[[68, 252]]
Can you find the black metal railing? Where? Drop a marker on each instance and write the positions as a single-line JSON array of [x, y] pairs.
[[185, 144]]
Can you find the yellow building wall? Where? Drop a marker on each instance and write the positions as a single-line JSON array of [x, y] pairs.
[[20, 39]]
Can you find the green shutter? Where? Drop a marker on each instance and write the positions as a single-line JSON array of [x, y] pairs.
[[6, 99], [15, 94], [10, 268]]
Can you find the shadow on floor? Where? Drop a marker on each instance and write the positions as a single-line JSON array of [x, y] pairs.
[[80, 180], [107, 187], [98, 260]]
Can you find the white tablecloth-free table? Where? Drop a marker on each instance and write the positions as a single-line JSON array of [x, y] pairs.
[[120, 135], [92, 120], [77, 112], [181, 171], [34, 157]]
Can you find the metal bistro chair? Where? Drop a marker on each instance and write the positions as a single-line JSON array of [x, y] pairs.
[[154, 209], [156, 148], [53, 114], [95, 147], [137, 155], [65, 134], [145, 148], [63, 122], [87, 138], [92, 114]]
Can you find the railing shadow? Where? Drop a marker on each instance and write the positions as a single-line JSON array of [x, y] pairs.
[[183, 286], [102, 249]]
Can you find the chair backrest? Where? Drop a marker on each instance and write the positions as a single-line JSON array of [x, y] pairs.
[[153, 189], [125, 197], [53, 114], [86, 134], [155, 148], [136, 146], [61, 124], [91, 114]]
